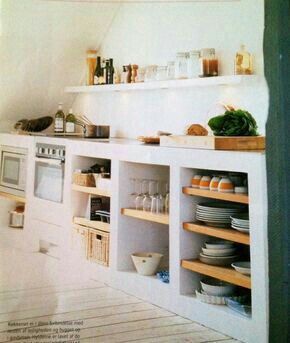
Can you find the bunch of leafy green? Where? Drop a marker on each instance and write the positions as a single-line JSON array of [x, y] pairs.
[[234, 123]]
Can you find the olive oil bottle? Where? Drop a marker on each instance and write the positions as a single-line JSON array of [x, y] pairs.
[[70, 122], [243, 62], [59, 120]]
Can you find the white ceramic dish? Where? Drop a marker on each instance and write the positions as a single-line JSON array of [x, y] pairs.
[[146, 263], [217, 287], [241, 217], [242, 267], [241, 229], [219, 252], [221, 244], [218, 260], [215, 299]]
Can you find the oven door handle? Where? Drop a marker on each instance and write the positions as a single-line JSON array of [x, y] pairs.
[[49, 161]]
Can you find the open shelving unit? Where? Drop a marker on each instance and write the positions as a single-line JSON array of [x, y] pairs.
[[148, 216], [168, 84], [228, 234], [91, 190], [233, 197], [93, 224], [222, 273]]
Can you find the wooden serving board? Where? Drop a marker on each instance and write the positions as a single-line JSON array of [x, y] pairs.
[[214, 142]]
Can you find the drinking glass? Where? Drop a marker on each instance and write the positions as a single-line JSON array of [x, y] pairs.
[[133, 191], [167, 199], [139, 195], [148, 196]]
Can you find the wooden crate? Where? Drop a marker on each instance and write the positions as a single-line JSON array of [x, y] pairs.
[[85, 180], [98, 250]]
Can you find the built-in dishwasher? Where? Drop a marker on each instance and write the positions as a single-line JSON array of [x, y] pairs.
[[49, 172]]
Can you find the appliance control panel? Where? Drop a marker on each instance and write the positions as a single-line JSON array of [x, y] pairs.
[[50, 151]]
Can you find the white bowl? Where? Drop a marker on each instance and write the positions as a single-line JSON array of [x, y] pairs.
[[242, 267], [219, 252], [217, 287], [219, 244], [146, 263]]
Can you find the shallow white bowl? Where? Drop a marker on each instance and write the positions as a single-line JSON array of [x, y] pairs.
[[219, 252], [222, 244], [242, 267], [217, 287], [146, 263]]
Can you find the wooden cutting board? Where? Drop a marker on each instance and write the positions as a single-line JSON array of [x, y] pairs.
[[214, 143]]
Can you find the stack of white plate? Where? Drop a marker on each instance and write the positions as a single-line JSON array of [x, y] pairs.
[[218, 214], [240, 222], [219, 254]]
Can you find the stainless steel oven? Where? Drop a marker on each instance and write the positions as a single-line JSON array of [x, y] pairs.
[[13, 170], [49, 172]]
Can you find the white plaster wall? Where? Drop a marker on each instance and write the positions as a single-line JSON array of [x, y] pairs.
[[42, 49], [152, 33]]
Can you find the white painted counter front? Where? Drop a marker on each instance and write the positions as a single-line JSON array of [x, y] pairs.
[[53, 222]]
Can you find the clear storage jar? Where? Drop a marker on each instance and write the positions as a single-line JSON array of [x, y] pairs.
[[193, 64], [161, 73], [170, 70], [181, 65]]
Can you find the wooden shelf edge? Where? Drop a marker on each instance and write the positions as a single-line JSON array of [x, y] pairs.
[[91, 190], [91, 224], [138, 214], [233, 197], [222, 273], [228, 234], [13, 197]]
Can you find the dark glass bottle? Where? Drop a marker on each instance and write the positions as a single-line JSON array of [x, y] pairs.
[[98, 71]]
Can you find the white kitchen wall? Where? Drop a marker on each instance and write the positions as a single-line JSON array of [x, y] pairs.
[[43, 44], [42, 49], [152, 34]]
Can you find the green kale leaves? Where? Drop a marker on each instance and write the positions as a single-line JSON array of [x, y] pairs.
[[234, 123]]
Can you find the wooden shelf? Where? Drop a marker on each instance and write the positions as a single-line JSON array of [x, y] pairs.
[[169, 84], [91, 190], [93, 224], [13, 197], [240, 198], [143, 215], [229, 234], [227, 274]]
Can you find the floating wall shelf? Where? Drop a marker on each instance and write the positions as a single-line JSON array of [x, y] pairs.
[[12, 197], [91, 190], [222, 273], [169, 84], [143, 215], [228, 234], [233, 197], [93, 224]]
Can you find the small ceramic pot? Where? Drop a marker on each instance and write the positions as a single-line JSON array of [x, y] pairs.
[[204, 182], [214, 183], [226, 185], [195, 181]]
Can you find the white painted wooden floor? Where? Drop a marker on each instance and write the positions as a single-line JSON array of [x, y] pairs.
[[36, 290]]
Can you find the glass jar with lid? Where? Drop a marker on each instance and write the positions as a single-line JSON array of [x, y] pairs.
[[181, 65], [208, 62], [150, 73], [161, 73], [170, 70], [193, 64]]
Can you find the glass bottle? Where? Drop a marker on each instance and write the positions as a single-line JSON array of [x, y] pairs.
[[59, 120], [70, 122], [91, 66], [243, 62], [98, 72], [134, 73]]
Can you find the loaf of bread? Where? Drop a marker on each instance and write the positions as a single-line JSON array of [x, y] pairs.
[[196, 130]]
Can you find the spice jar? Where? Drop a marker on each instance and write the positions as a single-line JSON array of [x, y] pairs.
[[209, 63], [91, 66], [181, 65], [161, 73], [150, 73], [134, 73], [140, 75], [193, 64], [170, 70]]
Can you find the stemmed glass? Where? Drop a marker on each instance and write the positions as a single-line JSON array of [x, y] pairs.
[[147, 201], [142, 192], [167, 198], [133, 191]]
